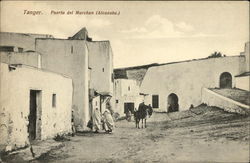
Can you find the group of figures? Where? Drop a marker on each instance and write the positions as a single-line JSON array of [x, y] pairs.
[[141, 114], [103, 121]]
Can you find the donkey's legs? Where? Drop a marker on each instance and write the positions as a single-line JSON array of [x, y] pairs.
[[142, 123], [145, 123], [138, 123]]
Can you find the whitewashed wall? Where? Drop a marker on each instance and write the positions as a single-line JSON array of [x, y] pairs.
[[186, 79], [15, 95]]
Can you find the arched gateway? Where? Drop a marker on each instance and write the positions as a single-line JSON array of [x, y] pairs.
[[225, 80], [173, 105]]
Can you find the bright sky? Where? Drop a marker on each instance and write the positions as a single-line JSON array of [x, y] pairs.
[[144, 32]]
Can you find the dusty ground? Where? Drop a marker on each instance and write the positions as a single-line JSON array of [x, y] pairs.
[[200, 135]]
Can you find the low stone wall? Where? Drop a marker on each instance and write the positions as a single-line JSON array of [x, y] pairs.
[[214, 99]]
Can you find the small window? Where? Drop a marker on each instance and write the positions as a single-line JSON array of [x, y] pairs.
[[102, 69], [72, 50], [128, 88], [155, 101], [54, 100], [117, 101], [20, 50], [6, 48]]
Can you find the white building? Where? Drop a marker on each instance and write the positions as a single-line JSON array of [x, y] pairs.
[[127, 95], [33, 105]]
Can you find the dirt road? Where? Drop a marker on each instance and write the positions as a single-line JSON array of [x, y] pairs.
[[201, 135]]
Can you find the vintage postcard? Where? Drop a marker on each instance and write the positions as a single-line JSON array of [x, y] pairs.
[[124, 81]]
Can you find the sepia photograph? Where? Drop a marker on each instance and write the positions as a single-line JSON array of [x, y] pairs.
[[124, 81]]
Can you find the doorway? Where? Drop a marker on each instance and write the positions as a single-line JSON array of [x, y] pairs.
[[129, 106], [173, 105], [34, 115], [225, 80]]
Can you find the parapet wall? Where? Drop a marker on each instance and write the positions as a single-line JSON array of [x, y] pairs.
[[26, 58], [23, 40], [214, 99]]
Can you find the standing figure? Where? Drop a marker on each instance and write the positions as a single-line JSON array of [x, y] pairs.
[[96, 117], [108, 119], [150, 110], [72, 123], [128, 115]]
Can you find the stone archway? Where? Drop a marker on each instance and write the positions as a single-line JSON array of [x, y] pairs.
[[225, 80], [173, 105]]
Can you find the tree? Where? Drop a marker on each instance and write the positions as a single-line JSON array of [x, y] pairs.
[[216, 55]]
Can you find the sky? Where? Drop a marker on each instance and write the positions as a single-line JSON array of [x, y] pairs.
[[144, 32]]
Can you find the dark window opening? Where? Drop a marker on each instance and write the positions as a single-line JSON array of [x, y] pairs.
[[117, 101], [20, 49], [155, 101], [54, 100], [102, 69], [129, 88], [7, 48], [72, 50], [129, 107]]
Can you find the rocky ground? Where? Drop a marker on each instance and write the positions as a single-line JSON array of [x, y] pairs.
[[203, 134]]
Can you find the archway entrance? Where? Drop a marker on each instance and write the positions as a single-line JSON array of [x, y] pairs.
[[225, 80], [173, 105]]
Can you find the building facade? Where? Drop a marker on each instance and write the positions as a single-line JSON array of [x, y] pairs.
[[88, 63], [101, 74], [127, 95], [33, 105], [26, 58], [180, 84], [243, 79], [69, 57], [19, 41]]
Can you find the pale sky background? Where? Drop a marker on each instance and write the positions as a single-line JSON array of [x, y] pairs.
[[144, 32]]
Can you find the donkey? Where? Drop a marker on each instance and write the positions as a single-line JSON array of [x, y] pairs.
[[141, 114]]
